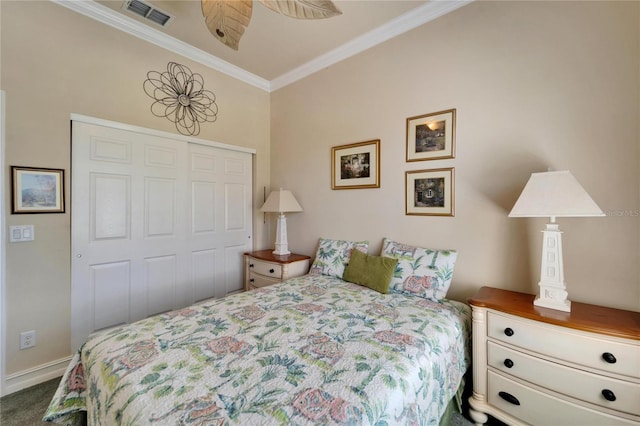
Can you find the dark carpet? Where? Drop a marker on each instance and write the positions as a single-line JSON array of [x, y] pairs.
[[26, 407]]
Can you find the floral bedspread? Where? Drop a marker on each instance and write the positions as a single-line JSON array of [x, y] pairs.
[[312, 350]]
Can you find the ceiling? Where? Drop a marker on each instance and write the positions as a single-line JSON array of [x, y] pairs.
[[275, 50]]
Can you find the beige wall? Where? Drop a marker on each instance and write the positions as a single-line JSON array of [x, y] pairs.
[[535, 85], [56, 62]]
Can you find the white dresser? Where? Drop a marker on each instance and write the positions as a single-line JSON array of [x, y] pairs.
[[263, 268], [540, 366]]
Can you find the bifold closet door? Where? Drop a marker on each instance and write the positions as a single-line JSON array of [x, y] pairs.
[[157, 224]]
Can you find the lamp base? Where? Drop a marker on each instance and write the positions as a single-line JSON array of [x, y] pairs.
[[559, 304], [281, 252], [282, 247], [553, 289]]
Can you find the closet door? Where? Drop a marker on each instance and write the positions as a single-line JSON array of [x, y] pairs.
[[221, 220], [157, 223]]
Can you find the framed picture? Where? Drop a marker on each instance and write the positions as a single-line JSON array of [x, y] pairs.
[[430, 192], [431, 136], [356, 165], [37, 190]]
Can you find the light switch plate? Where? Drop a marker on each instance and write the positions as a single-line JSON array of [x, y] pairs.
[[21, 233]]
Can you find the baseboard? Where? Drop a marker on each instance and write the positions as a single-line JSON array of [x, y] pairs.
[[34, 376]]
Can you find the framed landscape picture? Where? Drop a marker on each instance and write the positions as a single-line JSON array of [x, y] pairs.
[[356, 165], [431, 136], [37, 190], [430, 192]]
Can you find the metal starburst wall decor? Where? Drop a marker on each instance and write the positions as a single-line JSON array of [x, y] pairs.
[[180, 97]]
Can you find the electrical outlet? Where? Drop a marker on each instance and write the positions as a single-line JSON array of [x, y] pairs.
[[27, 339]]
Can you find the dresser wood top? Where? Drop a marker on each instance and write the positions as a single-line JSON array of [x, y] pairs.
[[585, 317], [270, 257]]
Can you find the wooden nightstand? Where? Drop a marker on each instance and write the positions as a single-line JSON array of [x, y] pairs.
[[263, 268], [534, 365]]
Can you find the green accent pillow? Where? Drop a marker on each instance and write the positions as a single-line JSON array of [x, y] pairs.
[[374, 272]]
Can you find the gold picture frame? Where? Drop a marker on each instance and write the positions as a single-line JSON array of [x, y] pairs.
[[431, 136], [356, 166], [430, 192], [37, 190]]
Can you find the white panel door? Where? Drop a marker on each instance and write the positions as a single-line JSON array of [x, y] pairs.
[[151, 224], [221, 188]]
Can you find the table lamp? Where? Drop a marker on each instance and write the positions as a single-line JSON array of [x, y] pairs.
[[281, 201], [553, 194]]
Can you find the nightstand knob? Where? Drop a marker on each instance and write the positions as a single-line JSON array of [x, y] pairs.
[[508, 331], [608, 395], [251, 265], [508, 363], [609, 358], [271, 271], [251, 280], [509, 398]]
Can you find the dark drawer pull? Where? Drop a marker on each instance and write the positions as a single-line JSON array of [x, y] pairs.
[[251, 265], [608, 395], [251, 280], [508, 363], [271, 271], [607, 356], [508, 331], [509, 398]]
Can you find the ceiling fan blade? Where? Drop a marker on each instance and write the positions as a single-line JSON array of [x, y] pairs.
[[227, 19], [303, 9]]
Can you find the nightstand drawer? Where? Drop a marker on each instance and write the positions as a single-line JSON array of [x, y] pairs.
[[257, 280], [263, 268], [567, 346], [534, 407], [267, 269], [607, 392]]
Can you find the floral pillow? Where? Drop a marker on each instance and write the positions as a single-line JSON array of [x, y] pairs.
[[420, 271], [333, 256]]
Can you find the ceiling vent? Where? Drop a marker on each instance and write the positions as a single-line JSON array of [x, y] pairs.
[[148, 12]]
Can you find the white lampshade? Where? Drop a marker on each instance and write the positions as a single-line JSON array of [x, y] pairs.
[[281, 201], [554, 194]]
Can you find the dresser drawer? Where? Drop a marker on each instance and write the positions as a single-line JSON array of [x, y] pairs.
[[569, 347], [267, 269], [257, 280], [569, 381], [537, 408]]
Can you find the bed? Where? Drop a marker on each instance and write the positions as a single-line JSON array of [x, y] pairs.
[[312, 350]]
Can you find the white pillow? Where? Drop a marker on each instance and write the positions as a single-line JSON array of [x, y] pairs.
[[333, 256]]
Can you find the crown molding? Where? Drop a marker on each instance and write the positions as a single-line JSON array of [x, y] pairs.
[[408, 21], [130, 26]]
